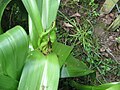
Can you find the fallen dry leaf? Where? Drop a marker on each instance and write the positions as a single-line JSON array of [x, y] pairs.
[[105, 54], [68, 25], [76, 15]]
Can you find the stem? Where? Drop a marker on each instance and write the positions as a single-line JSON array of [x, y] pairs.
[[49, 30], [45, 33]]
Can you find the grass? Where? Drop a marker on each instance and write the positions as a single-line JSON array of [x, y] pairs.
[[86, 45]]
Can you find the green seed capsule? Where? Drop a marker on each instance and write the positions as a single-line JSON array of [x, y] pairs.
[[53, 35]]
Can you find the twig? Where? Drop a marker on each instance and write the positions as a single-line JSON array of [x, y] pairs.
[[100, 73], [109, 52]]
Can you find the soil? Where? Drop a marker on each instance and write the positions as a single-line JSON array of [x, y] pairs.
[[109, 47], [108, 38]]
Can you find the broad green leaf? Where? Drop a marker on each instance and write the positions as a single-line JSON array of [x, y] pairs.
[[32, 72], [3, 4], [74, 68], [48, 11], [35, 24], [108, 86], [41, 15], [7, 83], [108, 6], [62, 51], [13, 51], [40, 72], [34, 35], [78, 86], [115, 24], [115, 87], [52, 72], [33, 12]]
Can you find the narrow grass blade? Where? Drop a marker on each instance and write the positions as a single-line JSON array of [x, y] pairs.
[[40, 72], [74, 68]]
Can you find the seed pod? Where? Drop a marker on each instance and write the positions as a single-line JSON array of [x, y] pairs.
[[53, 35]]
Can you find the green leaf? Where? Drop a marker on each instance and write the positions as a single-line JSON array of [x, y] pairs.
[[13, 51], [33, 12], [7, 83], [3, 4], [40, 72], [74, 68], [115, 87], [48, 11], [35, 24], [78, 86], [107, 86], [32, 72], [34, 35], [41, 15], [62, 51], [53, 76]]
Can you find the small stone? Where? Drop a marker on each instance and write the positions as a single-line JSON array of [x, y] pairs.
[[105, 54], [110, 43], [107, 16], [102, 49], [111, 15], [111, 38]]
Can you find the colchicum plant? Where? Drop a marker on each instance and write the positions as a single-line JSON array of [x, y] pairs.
[[37, 61]]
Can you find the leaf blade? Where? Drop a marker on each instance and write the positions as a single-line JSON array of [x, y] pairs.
[[41, 67], [74, 68], [48, 11], [32, 9], [62, 51], [7, 83], [12, 47], [107, 86]]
